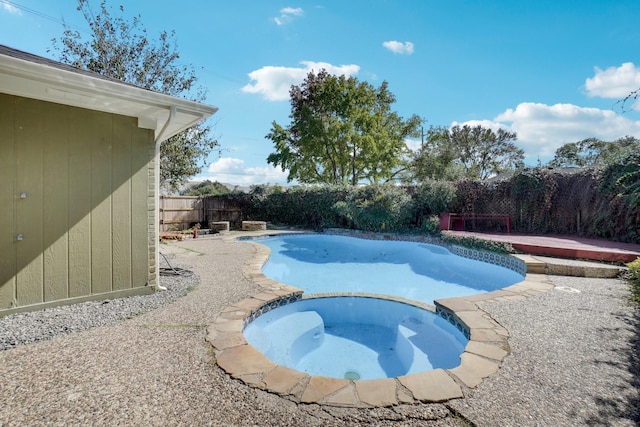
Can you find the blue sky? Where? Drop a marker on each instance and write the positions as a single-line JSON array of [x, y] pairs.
[[551, 71]]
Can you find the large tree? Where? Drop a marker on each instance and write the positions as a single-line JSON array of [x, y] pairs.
[[342, 131], [594, 152], [466, 152], [436, 159], [122, 50]]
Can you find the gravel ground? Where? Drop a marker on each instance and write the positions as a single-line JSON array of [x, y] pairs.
[[574, 361], [26, 328]]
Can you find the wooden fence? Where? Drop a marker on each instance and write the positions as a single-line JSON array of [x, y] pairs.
[[218, 208], [182, 212]]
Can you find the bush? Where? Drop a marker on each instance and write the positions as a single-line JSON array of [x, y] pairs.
[[479, 244], [431, 198], [306, 207], [431, 225], [376, 207], [633, 277]]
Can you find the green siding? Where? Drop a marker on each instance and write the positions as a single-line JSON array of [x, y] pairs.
[[30, 177], [139, 223], [121, 204], [7, 200], [55, 195], [85, 218], [79, 207], [101, 145]]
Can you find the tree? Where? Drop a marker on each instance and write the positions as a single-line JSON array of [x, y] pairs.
[[437, 159], [484, 152], [466, 152], [122, 50], [594, 152], [632, 97], [206, 188], [342, 132]]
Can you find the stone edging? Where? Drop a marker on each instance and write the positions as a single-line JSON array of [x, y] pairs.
[[483, 355]]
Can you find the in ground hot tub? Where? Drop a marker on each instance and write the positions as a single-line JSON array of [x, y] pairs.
[[356, 338]]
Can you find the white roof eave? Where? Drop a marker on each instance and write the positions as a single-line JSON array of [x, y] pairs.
[[152, 109]]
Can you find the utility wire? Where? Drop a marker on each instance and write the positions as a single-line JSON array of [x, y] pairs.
[[61, 21]]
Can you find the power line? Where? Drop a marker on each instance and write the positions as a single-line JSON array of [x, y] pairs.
[[86, 30], [42, 15]]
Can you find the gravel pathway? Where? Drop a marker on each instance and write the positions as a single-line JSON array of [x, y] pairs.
[[574, 361]]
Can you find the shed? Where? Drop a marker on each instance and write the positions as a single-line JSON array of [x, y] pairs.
[[79, 179]]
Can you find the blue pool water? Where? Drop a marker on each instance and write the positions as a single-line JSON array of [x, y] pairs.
[[356, 338], [360, 337], [417, 271]]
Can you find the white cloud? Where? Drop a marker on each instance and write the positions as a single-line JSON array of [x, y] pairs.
[[273, 83], [542, 128], [287, 14], [10, 8], [413, 144], [234, 171], [614, 82], [405, 48], [297, 11]]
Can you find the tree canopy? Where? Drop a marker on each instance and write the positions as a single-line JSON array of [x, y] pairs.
[[122, 50], [206, 188], [594, 152], [465, 152], [342, 131]]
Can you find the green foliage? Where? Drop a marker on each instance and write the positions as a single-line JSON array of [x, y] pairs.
[[587, 202], [479, 244], [533, 192], [342, 132], [435, 197], [122, 50], [430, 199], [431, 226], [305, 207], [376, 207], [206, 188], [594, 152], [464, 151], [620, 206], [437, 159], [633, 277]]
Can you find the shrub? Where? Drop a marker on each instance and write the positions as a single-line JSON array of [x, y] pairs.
[[431, 198], [306, 207], [479, 244], [376, 207], [431, 225], [633, 277]]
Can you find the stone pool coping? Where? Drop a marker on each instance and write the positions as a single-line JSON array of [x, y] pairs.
[[482, 357]]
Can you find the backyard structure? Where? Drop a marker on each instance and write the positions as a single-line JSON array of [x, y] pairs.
[[79, 158]]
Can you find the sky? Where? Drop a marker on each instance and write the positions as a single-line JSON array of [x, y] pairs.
[[552, 71]]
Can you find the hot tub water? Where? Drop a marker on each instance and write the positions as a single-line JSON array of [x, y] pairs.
[[356, 338]]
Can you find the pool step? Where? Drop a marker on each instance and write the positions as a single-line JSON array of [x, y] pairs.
[[304, 332]]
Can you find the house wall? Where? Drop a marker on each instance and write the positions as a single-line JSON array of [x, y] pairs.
[[85, 225]]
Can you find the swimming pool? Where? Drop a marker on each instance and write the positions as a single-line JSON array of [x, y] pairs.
[[485, 350], [417, 271], [356, 338]]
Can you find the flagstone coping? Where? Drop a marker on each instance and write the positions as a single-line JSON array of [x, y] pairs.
[[482, 357]]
